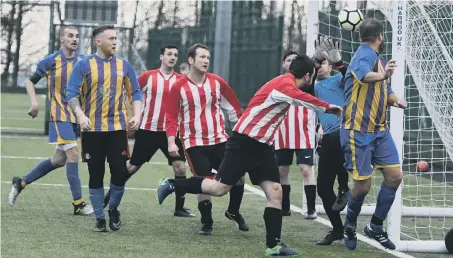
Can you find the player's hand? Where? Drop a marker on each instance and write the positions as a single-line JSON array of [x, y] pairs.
[[33, 111], [334, 109], [84, 122], [319, 135], [173, 150], [389, 69], [401, 103], [332, 52], [134, 123], [320, 50]]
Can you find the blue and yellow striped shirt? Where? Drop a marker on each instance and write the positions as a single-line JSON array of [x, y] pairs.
[[365, 108], [57, 69], [100, 84]]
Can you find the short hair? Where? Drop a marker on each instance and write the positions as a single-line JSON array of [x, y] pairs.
[[192, 52], [288, 54], [301, 65], [162, 49], [98, 30], [63, 27], [370, 29]]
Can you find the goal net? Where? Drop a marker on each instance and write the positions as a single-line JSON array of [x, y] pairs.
[[419, 35]]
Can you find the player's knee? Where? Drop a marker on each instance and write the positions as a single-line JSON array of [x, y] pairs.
[[179, 168], [284, 171], [72, 155], [362, 187], [220, 189], [307, 171], [58, 160], [394, 180], [274, 193]]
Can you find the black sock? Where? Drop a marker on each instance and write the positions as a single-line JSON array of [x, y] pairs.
[[285, 200], [189, 185], [180, 196], [205, 208], [377, 221], [310, 193], [273, 221], [236, 194]]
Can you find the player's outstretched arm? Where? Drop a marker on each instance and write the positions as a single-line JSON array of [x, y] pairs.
[[229, 101], [333, 54]]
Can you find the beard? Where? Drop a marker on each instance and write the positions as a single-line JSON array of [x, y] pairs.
[[381, 47]]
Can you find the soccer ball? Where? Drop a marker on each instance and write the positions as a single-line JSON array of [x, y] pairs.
[[350, 18], [422, 166]]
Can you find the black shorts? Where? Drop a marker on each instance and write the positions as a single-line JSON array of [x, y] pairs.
[[102, 145], [303, 156], [203, 159], [244, 154], [148, 142]]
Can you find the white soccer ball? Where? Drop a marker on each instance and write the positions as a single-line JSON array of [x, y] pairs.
[[350, 18]]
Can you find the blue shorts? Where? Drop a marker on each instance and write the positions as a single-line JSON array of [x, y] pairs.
[[62, 132], [363, 152]]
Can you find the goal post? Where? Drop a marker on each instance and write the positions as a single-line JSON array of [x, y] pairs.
[[418, 36]]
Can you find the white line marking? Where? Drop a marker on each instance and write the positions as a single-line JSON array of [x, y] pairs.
[[21, 129], [43, 158], [327, 223], [23, 137], [105, 188], [18, 118]]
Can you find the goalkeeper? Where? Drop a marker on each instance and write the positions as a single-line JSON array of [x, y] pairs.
[[331, 157], [364, 133]]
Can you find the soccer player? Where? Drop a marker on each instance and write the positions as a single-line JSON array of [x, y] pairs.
[[184, 68], [151, 136], [331, 157], [296, 134], [198, 99], [249, 149], [98, 80], [62, 127], [364, 134]]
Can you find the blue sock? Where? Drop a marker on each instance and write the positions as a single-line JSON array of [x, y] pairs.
[[97, 200], [385, 200], [116, 194], [39, 171], [354, 208], [72, 173]]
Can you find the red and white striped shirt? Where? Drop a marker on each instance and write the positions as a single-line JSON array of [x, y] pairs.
[[297, 131], [202, 121], [155, 88], [269, 106]]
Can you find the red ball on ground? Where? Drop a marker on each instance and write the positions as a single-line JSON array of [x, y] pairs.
[[422, 166]]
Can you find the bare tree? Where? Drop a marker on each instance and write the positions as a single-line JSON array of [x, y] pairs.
[[160, 15], [8, 27], [292, 24], [175, 20]]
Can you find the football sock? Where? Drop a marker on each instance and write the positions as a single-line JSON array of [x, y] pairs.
[[385, 200], [116, 194], [180, 196], [72, 173], [354, 208], [310, 193], [273, 221], [97, 200], [39, 171], [236, 194], [189, 185], [205, 208], [285, 200]]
